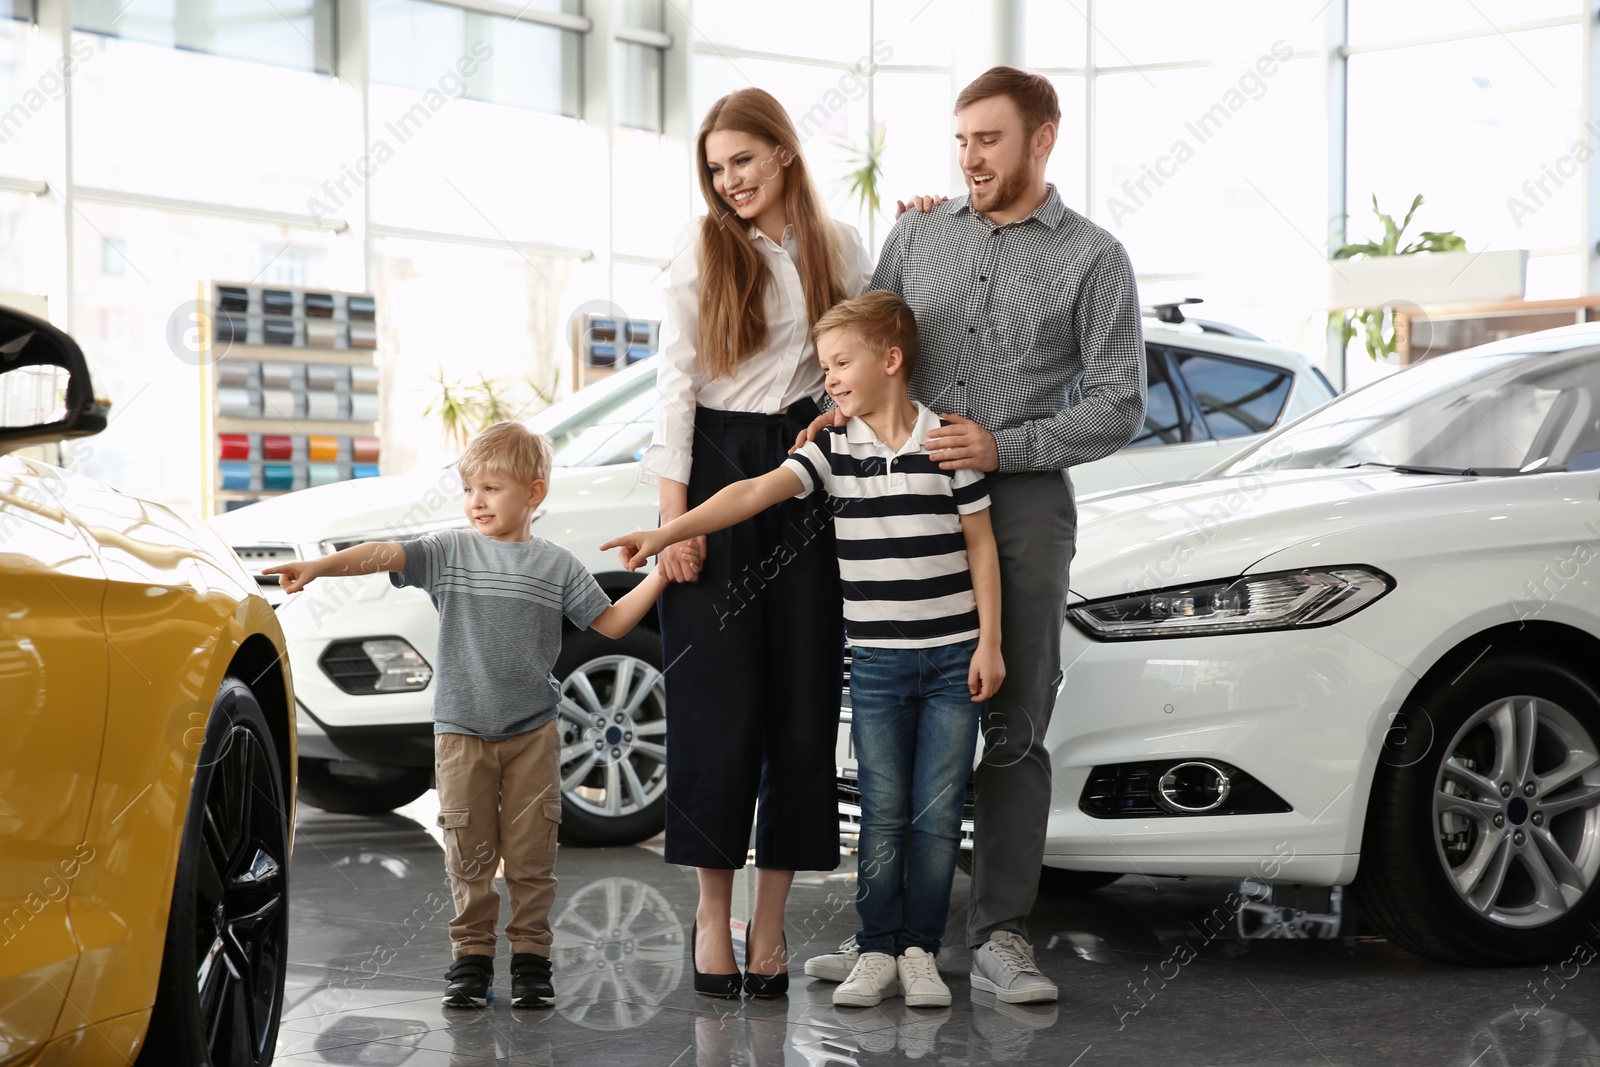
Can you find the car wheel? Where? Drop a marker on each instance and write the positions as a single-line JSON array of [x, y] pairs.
[[324, 785], [222, 968], [613, 723], [1482, 841]]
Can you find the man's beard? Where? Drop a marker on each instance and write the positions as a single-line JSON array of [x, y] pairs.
[[1004, 191]]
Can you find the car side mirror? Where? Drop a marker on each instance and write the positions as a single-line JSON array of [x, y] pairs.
[[45, 391]]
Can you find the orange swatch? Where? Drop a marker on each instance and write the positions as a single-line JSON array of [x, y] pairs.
[[322, 449]]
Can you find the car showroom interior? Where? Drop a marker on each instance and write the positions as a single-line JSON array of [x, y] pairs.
[[693, 532]]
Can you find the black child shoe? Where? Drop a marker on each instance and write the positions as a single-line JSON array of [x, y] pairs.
[[530, 981], [468, 982], [712, 985]]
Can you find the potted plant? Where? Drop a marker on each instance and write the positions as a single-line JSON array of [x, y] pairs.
[[1377, 325]]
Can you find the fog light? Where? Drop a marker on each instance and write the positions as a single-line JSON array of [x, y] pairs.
[[1193, 786], [401, 668]]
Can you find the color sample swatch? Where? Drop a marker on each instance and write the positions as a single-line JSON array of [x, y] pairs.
[[277, 375], [277, 446], [363, 379], [277, 332], [319, 305], [363, 335], [233, 402], [323, 375], [364, 470], [364, 407], [277, 404], [277, 476], [235, 475], [322, 332], [277, 302], [233, 298], [235, 373], [364, 449], [323, 473], [362, 307], [322, 405], [322, 449], [229, 328], [234, 445]]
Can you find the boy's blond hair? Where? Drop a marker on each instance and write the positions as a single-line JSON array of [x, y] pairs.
[[880, 319], [509, 447]]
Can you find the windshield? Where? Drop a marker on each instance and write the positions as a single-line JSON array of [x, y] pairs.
[[1492, 413], [598, 432]]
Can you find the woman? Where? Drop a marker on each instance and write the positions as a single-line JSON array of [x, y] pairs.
[[751, 624]]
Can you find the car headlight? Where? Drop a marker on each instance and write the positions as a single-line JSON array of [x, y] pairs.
[[376, 665], [1282, 601]]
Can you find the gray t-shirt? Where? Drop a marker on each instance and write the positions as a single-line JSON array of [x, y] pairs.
[[500, 607]]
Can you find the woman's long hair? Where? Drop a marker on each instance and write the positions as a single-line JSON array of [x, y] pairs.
[[734, 276]]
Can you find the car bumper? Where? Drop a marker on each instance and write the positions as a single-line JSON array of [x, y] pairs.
[[1304, 712]]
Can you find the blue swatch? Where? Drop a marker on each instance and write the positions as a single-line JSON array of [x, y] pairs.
[[235, 474], [277, 475]]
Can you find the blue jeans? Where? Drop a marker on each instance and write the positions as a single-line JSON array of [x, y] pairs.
[[915, 729]]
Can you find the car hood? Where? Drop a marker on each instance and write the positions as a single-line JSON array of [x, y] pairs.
[[397, 504], [1155, 536]]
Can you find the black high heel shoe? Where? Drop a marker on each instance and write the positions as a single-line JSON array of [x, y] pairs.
[[711, 985], [766, 985]]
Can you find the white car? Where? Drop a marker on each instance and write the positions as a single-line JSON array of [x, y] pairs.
[[1364, 652], [362, 650]]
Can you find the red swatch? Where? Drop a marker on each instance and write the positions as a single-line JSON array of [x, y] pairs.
[[234, 445], [276, 446]]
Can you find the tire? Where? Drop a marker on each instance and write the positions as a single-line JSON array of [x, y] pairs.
[[322, 786], [614, 785], [1530, 883], [219, 997]]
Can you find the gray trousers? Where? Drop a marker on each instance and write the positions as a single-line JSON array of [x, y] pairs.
[[1035, 526]]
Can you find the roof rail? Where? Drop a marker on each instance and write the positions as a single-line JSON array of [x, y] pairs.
[[1173, 313]]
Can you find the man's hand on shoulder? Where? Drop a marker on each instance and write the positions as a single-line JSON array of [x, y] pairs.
[[834, 417], [963, 445]]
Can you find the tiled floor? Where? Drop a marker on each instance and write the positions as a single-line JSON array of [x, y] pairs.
[[369, 947]]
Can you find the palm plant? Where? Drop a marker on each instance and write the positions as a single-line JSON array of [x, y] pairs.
[[866, 173], [1376, 325], [464, 407]]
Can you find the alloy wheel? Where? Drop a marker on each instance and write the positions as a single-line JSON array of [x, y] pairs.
[[239, 902], [1516, 811], [613, 736]]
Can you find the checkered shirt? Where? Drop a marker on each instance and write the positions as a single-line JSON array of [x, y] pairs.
[[1030, 329]]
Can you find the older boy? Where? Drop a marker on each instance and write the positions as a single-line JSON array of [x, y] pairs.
[[501, 595], [921, 582]]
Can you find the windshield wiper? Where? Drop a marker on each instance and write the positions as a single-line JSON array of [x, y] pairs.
[[1459, 472]]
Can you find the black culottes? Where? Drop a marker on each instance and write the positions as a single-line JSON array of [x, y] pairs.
[[754, 652]]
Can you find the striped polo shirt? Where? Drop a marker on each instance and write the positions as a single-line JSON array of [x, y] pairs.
[[897, 524]]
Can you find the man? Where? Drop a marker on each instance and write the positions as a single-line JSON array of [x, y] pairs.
[[1032, 350]]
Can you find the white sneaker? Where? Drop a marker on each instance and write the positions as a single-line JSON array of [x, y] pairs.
[[920, 983], [1004, 966], [874, 977], [836, 966]]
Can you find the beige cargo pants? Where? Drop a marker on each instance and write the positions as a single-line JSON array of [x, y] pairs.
[[500, 801]]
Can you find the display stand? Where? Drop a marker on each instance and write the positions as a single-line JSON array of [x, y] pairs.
[[603, 344], [288, 391]]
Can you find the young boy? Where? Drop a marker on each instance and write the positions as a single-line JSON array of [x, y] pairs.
[[921, 583], [501, 595]]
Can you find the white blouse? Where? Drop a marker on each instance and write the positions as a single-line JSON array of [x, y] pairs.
[[781, 373]]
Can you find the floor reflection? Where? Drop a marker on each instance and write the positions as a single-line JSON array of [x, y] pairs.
[[1268, 983]]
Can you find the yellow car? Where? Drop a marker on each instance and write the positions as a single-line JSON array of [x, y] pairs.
[[147, 757]]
